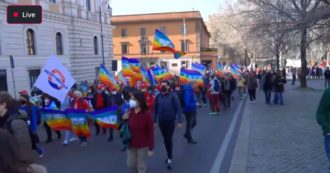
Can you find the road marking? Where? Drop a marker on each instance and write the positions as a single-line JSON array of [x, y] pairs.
[[224, 147]]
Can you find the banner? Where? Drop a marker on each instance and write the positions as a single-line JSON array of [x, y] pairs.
[[56, 120], [79, 122], [106, 118], [191, 75], [55, 79], [107, 78]]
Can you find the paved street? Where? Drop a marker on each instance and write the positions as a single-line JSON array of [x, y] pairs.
[[102, 156], [287, 139]]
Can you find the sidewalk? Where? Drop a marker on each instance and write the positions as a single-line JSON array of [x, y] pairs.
[[282, 139]]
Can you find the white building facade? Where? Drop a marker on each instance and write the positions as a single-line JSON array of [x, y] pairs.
[[70, 30]]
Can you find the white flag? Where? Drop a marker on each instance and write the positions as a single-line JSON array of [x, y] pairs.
[[55, 79]]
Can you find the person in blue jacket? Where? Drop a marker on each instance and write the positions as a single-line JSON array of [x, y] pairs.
[[189, 110], [34, 119]]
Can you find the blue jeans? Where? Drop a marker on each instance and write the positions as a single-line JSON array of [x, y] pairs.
[[278, 98], [268, 94], [327, 146]]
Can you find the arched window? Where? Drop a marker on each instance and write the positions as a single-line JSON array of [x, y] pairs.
[[96, 45], [30, 42], [59, 44]]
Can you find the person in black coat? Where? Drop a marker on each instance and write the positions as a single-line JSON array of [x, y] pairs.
[[99, 101], [267, 85]]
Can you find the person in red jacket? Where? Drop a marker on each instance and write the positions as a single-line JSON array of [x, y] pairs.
[[80, 103], [141, 126]]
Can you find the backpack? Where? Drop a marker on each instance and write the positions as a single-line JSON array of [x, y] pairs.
[[216, 85], [18, 127]]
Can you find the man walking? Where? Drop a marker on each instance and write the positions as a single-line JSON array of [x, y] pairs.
[[268, 86], [327, 78], [167, 110], [323, 116], [189, 110], [214, 90]]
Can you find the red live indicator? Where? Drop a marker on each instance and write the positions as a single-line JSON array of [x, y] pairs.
[[15, 14]]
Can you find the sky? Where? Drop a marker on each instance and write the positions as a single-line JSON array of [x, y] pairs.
[[206, 7]]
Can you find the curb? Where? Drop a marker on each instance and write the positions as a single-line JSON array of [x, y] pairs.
[[239, 160]]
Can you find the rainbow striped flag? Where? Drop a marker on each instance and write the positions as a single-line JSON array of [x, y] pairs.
[[191, 75], [234, 71], [178, 54], [107, 78], [162, 74], [162, 42], [131, 68], [198, 67], [56, 120], [106, 118], [220, 70], [79, 122], [120, 77], [151, 77], [145, 75]]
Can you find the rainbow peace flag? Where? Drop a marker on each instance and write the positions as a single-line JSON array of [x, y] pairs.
[[131, 68], [106, 118], [191, 75], [198, 67], [162, 74], [234, 71], [107, 78], [162, 42], [120, 77], [220, 70], [145, 75], [79, 122], [56, 120], [151, 77], [178, 54]]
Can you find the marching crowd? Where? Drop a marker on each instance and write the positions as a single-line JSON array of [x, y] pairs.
[[142, 108]]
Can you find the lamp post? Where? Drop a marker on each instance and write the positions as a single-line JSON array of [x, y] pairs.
[[101, 25]]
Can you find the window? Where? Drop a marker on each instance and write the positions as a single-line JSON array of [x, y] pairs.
[[124, 48], [33, 76], [163, 29], [53, 1], [88, 5], [142, 32], [143, 47], [30, 41], [59, 44], [184, 64], [163, 64], [3, 80], [123, 33], [183, 30], [96, 46], [185, 45]]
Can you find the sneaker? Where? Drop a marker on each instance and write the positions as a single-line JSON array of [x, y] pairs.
[[169, 164], [191, 141], [217, 113], [48, 141], [250, 102], [83, 144], [211, 113], [65, 143], [73, 139], [40, 151]]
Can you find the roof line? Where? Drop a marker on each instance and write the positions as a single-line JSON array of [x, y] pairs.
[[154, 13]]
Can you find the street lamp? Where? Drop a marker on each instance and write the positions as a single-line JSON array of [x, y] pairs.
[[101, 25]]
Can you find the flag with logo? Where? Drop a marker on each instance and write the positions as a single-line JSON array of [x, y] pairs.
[[106, 118], [79, 122], [55, 79]]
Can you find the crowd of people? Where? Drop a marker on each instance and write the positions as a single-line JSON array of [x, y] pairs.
[[142, 108]]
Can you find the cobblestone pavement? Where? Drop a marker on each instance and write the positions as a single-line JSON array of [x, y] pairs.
[[287, 139]]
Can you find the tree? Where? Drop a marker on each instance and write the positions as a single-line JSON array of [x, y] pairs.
[[294, 16]]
